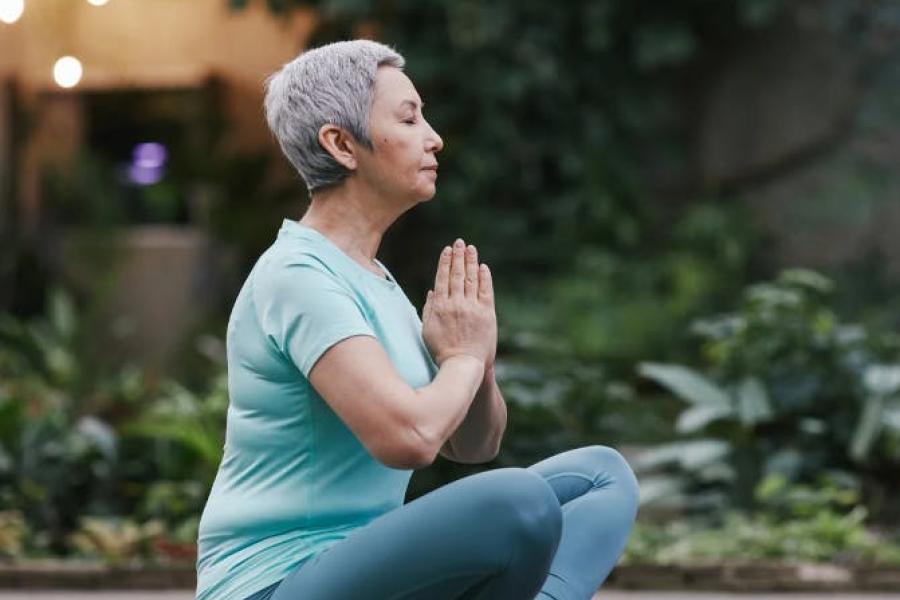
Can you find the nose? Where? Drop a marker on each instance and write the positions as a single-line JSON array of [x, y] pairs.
[[435, 142]]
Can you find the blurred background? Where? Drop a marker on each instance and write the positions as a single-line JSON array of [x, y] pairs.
[[690, 210]]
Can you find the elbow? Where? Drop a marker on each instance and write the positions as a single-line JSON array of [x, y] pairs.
[[422, 446], [413, 453], [422, 458], [409, 458], [420, 453]]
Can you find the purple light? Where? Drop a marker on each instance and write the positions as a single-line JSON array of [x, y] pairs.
[[147, 166], [149, 154], [144, 175]]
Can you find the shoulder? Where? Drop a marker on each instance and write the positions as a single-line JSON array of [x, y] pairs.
[[293, 269], [295, 283]]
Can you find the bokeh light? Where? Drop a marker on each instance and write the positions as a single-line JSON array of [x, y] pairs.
[[98, 2], [148, 163], [11, 10], [67, 71]]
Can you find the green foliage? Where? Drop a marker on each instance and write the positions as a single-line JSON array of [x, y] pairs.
[[615, 309], [68, 429], [553, 120], [822, 523], [55, 443], [185, 431], [143, 480], [786, 387], [196, 423]]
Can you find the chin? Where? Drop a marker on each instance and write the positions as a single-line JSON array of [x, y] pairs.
[[424, 195]]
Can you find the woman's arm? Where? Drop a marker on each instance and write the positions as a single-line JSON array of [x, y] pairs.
[[402, 427], [478, 437]]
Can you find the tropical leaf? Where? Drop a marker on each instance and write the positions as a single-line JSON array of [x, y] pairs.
[[689, 454], [193, 435], [753, 402], [62, 314], [717, 472], [806, 278], [103, 437], [892, 418], [659, 487], [699, 416], [882, 380], [868, 428], [658, 456], [685, 383], [697, 454]]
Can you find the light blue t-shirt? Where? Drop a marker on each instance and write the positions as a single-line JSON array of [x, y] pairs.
[[294, 479]]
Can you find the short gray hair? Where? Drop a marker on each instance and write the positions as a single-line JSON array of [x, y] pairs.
[[334, 83]]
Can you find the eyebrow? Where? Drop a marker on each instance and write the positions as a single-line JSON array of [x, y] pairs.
[[411, 103]]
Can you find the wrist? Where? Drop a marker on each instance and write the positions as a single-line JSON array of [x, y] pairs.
[[463, 357]]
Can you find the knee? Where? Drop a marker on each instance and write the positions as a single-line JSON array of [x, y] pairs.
[[527, 507], [615, 471]]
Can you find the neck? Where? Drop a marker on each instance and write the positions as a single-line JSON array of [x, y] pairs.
[[353, 219]]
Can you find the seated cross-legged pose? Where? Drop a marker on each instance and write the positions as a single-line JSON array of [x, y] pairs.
[[338, 390]]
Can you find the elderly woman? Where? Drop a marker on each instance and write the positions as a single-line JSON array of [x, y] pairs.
[[338, 390]]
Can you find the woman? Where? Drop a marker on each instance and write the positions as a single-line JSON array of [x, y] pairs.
[[338, 390]]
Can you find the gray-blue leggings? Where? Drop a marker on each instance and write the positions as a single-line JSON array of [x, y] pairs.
[[553, 530]]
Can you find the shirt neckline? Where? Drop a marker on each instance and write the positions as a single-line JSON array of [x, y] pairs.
[[294, 227]]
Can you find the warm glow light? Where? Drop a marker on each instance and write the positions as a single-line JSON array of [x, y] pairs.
[[67, 71], [98, 2], [11, 10]]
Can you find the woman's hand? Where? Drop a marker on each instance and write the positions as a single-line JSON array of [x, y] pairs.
[[459, 315]]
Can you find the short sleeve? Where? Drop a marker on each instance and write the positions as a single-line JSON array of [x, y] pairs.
[[305, 310]]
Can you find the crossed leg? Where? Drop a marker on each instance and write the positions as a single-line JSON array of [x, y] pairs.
[[488, 536], [553, 530], [598, 493]]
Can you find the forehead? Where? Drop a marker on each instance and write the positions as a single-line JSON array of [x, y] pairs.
[[392, 87]]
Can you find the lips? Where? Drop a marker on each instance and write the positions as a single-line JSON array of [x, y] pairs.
[[431, 168]]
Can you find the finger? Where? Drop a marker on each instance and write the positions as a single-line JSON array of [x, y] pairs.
[[426, 310], [471, 284], [442, 277], [457, 269], [485, 284]]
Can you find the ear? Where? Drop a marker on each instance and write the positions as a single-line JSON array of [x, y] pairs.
[[339, 144]]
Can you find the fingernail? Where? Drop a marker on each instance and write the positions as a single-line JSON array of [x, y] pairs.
[[445, 250], [459, 242], [471, 249]]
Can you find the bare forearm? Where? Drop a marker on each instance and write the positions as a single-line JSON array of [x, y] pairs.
[[441, 406], [478, 437]]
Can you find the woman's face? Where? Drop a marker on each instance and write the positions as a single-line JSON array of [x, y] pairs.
[[402, 163]]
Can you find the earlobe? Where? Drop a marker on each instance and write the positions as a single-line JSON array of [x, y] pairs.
[[338, 144]]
